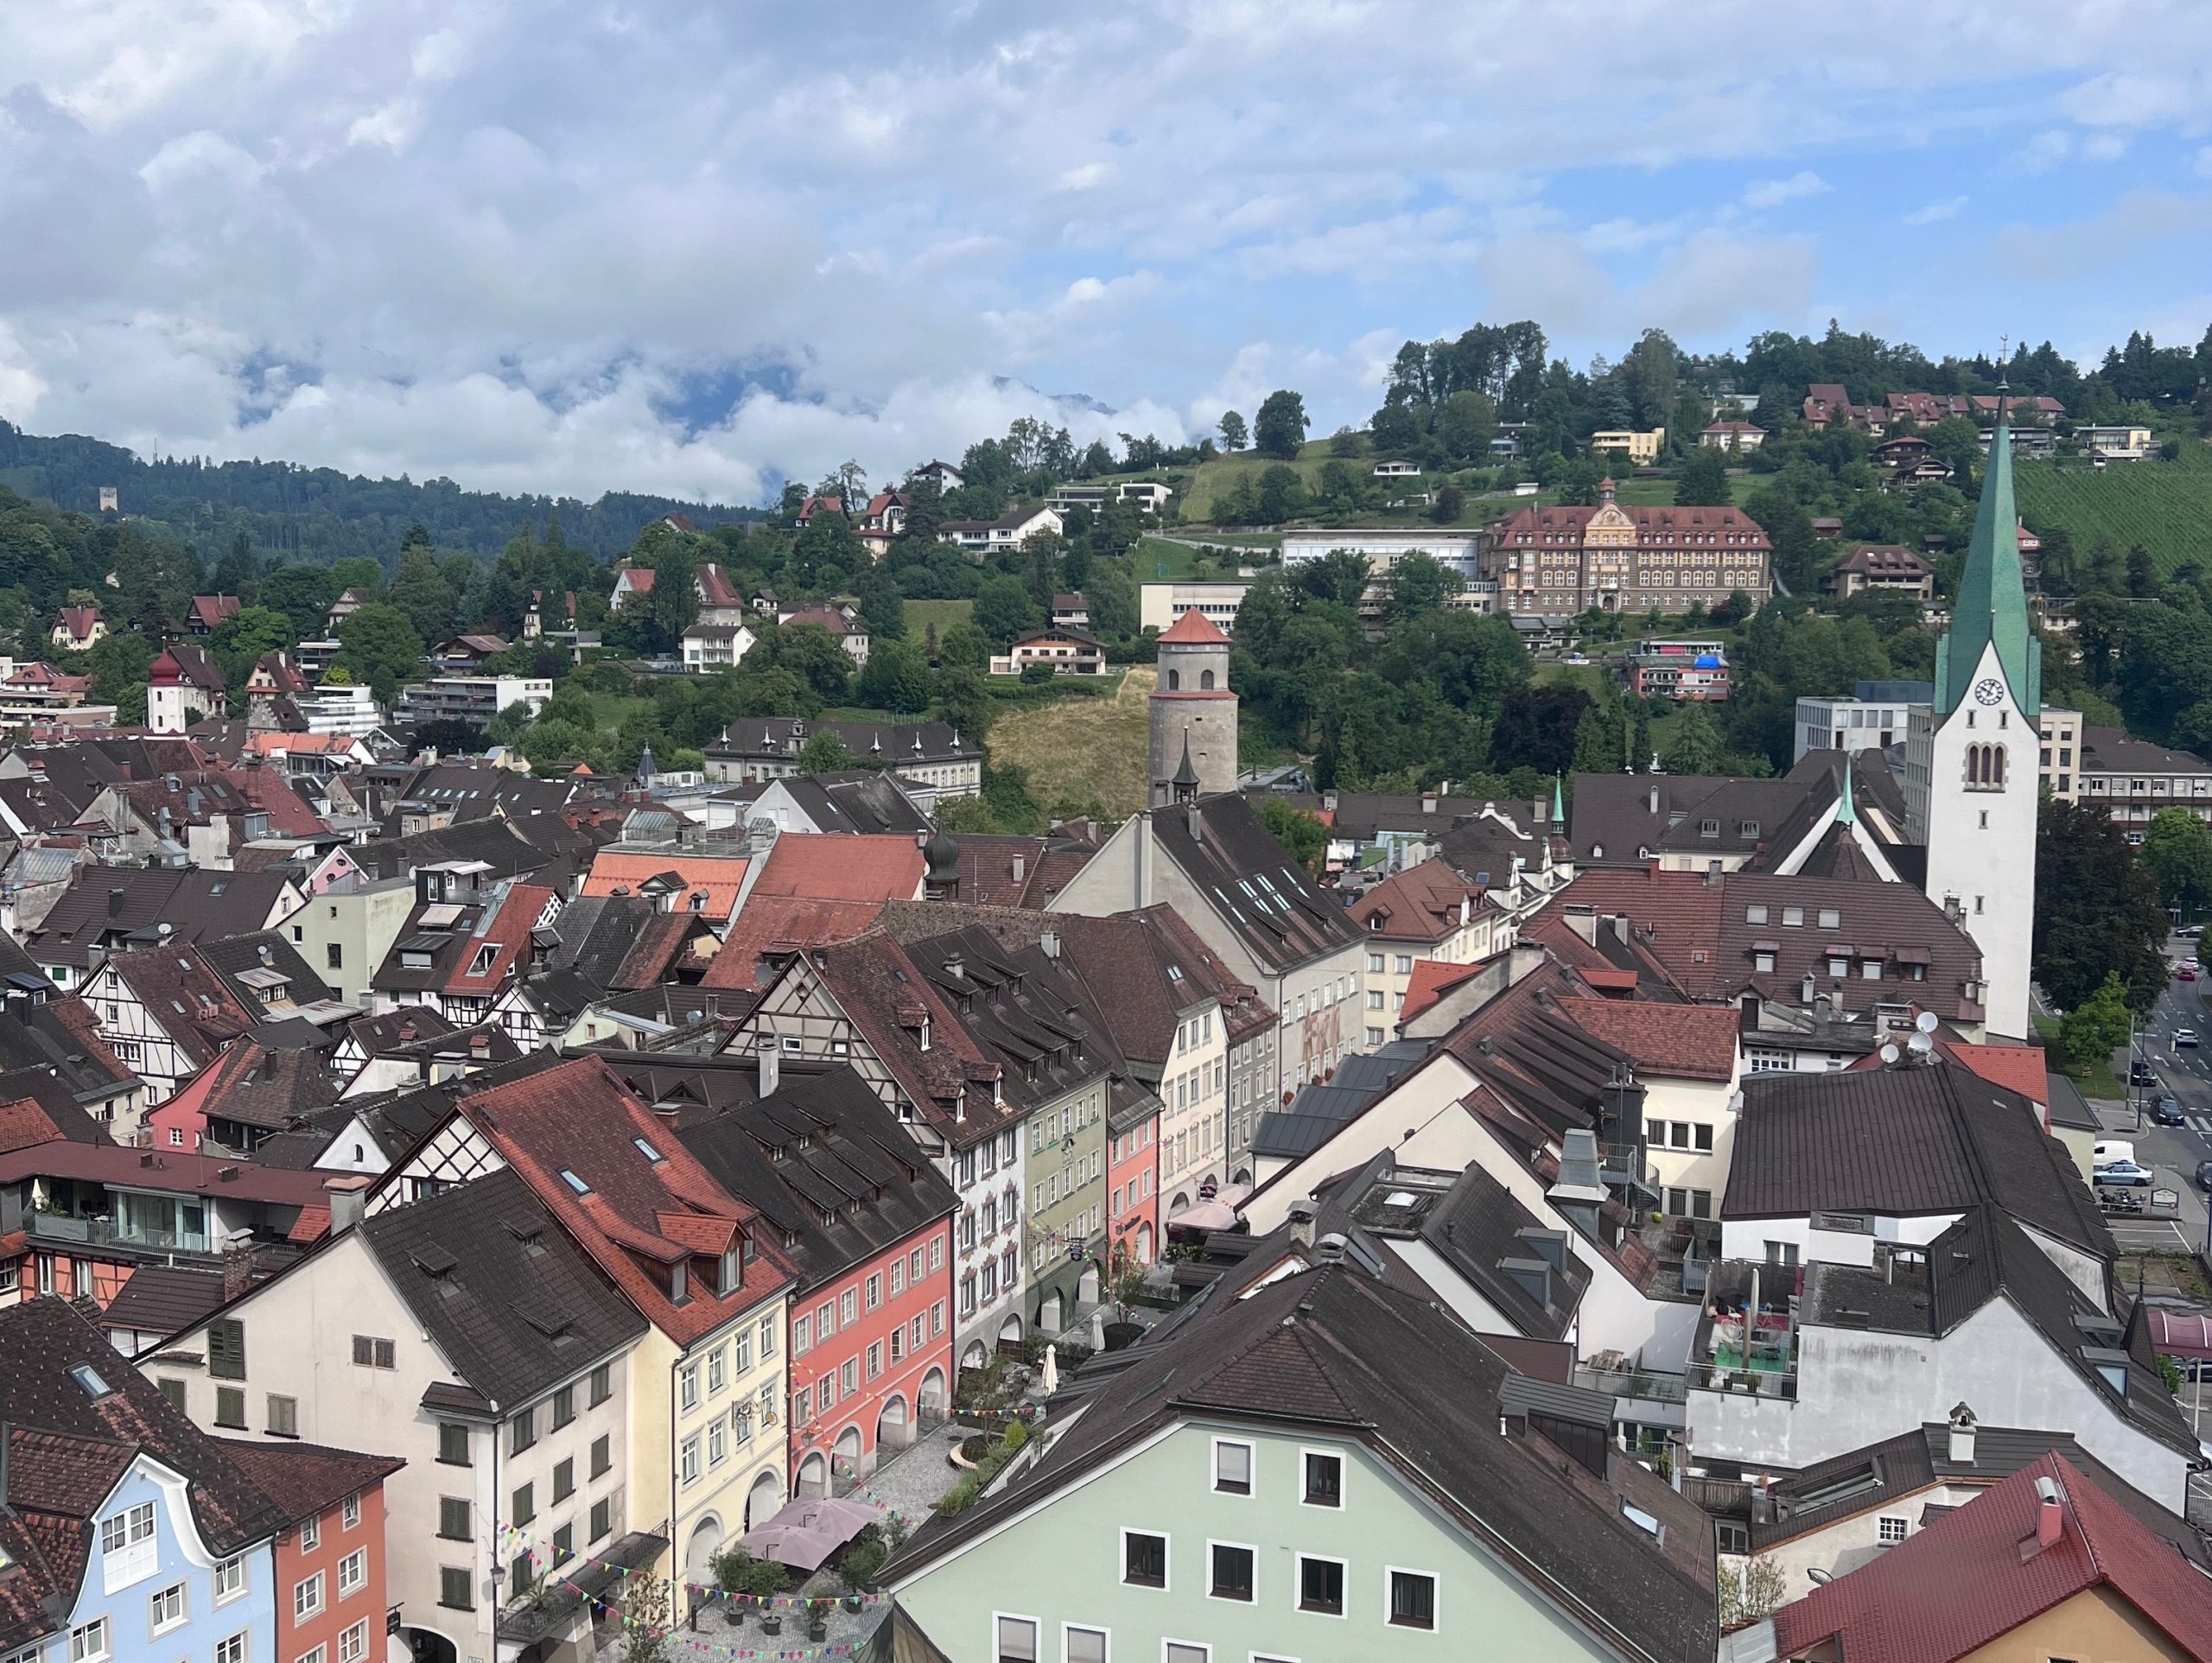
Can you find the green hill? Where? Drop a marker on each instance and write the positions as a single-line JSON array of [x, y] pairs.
[[2164, 506]]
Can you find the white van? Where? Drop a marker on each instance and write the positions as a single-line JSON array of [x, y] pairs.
[[2111, 1150]]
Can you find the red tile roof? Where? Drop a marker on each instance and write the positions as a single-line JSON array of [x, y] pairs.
[[212, 609], [23, 1124], [2017, 1068], [1974, 1575], [783, 924], [1431, 979], [636, 1216], [1194, 626], [1688, 1042], [721, 876], [306, 1479], [1422, 903], [507, 934], [834, 867]]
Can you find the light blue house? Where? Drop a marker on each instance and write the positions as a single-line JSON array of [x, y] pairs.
[[125, 1532]]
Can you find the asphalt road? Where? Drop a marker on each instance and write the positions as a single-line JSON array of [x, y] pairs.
[[2186, 1075]]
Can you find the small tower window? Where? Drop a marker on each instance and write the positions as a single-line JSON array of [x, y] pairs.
[[1174, 680], [1205, 679], [1985, 767]]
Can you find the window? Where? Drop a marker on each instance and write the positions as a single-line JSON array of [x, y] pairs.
[[1232, 1467], [601, 1457], [1324, 1480], [1016, 1639], [1890, 1527], [229, 1579], [564, 1481], [687, 1386], [226, 1350], [455, 1590], [127, 1528], [1734, 1536], [453, 1443], [90, 1642], [717, 1441], [353, 1572], [847, 1310], [166, 1609], [307, 1598], [602, 1384], [602, 1518], [1082, 1645], [353, 1644], [1321, 1585], [1403, 964], [453, 1517], [564, 1544], [522, 1433], [1185, 1651], [526, 1504], [1412, 1599], [230, 1407], [231, 1650], [687, 1460], [310, 1534], [564, 1406], [1229, 1575], [1144, 1560], [717, 1371], [349, 1512], [874, 1291]]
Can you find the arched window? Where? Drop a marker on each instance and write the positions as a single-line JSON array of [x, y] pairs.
[[1205, 679], [1174, 680], [1985, 767]]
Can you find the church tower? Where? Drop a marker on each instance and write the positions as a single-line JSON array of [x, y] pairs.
[[1193, 752], [1971, 766]]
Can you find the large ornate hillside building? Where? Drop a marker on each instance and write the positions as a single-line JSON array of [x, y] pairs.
[[1553, 562]]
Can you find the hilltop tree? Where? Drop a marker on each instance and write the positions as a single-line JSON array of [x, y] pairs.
[[379, 647], [1703, 480], [2097, 909], [1233, 435], [1280, 428]]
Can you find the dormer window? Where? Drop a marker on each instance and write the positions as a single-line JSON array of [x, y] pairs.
[[925, 1032], [679, 1283], [732, 1271]]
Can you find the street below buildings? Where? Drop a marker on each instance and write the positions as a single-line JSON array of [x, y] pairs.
[[2185, 1075]]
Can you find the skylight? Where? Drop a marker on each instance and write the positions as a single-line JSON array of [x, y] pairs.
[[648, 1150], [574, 1183], [88, 1377]]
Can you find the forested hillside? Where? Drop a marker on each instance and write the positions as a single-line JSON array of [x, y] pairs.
[[314, 513]]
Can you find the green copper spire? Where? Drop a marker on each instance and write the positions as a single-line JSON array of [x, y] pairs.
[[1992, 607], [1558, 809], [1846, 812]]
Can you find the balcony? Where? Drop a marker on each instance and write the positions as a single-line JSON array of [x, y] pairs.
[[1642, 1384], [1742, 1350], [107, 1233]]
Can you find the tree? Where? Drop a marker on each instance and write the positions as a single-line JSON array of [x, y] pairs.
[[1344, 441], [2178, 848], [421, 592], [240, 640], [1451, 503], [1752, 1594], [379, 646], [963, 645], [1536, 727], [118, 664], [2099, 1026], [965, 702], [1282, 494], [895, 678], [1280, 428], [1419, 583], [1233, 435], [1003, 609], [1339, 575], [815, 657], [647, 1615], [1302, 834], [1694, 746], [824, 753], [1112, 601], [303, 594], [2097, 909], [1703, 480]]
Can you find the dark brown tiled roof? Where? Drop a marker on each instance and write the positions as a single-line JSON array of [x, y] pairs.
[[104, 903], [1251, 882], [306, 1480], [1422, 903], [163, 1298], [1689, 1042]]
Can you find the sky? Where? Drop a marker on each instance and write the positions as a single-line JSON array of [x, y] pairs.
[[580, 245]]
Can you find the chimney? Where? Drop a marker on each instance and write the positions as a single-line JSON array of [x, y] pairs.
[[1962, 1423], [1301, 1224], [1020, 867], [479, 1046], [1330, 1250], [1428, 803], [771, 1063], [347, 1195], [956, 967], [237, 1269], [115, 902], [2050, 1513], [1050, 942], [1651, 800], [1195, 823], [1328, 802]]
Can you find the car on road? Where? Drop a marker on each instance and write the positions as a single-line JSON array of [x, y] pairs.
[[2187, 973], [2140, 1073], [2124, 1175], [2204, 1175], [2189, 932], [2167, 1112], [2186, 1037]]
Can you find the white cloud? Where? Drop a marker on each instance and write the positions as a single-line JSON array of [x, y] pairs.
[[2045, 151], [2104, 147], [1935, 213], [1089, 176], [1773, 193]]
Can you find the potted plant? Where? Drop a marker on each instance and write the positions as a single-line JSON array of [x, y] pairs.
[[766, 1582], [817, 1624], [733, 1568]]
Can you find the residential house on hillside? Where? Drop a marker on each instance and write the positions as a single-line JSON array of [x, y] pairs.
[[209, 612], [469, 1335], [1010, 530], [77, 629], [1261, 912], [1329, 1463], [933, 754], [1424, 912], [1882, 568], [1066, 649], [1558, 561], [841, 623], [866, 1222], [183, 686], [128, 1533], [703, 1268]]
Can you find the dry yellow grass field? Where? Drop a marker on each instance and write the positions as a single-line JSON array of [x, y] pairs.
[[1084, 750]]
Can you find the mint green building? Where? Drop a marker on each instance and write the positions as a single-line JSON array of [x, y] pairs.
[[1332, 1470]]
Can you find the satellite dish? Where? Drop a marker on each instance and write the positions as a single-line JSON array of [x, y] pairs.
[[1889, 1054], [1925, 1022], [1816, 1577], [1922, 1044]]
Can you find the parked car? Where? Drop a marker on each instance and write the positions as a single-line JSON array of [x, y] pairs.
[[2189, 931], [2140, 1073], [2167, 1112], [2186, 1037], [2124, 1175]]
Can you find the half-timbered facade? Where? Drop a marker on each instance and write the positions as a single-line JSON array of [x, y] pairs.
[[166, 1015]]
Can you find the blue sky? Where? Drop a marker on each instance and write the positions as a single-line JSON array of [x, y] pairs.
[[589, 245]]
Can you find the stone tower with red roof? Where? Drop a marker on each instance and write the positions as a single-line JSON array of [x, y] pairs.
[[1193, 714]]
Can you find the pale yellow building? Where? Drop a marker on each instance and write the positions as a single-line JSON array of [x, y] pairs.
[[1641, 448]]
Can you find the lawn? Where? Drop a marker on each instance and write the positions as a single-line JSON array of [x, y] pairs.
[[1083, 752], [1153, 560], [2163, 505], [921, 614], [609, 710], [2096, 1080]]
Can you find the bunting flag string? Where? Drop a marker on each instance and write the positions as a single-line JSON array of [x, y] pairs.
[[512, 1540]]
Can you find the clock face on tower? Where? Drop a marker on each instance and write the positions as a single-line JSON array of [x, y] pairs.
[[1988, 691]]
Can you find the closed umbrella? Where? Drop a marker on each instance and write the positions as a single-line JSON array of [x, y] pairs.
[[1051, 1369]]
